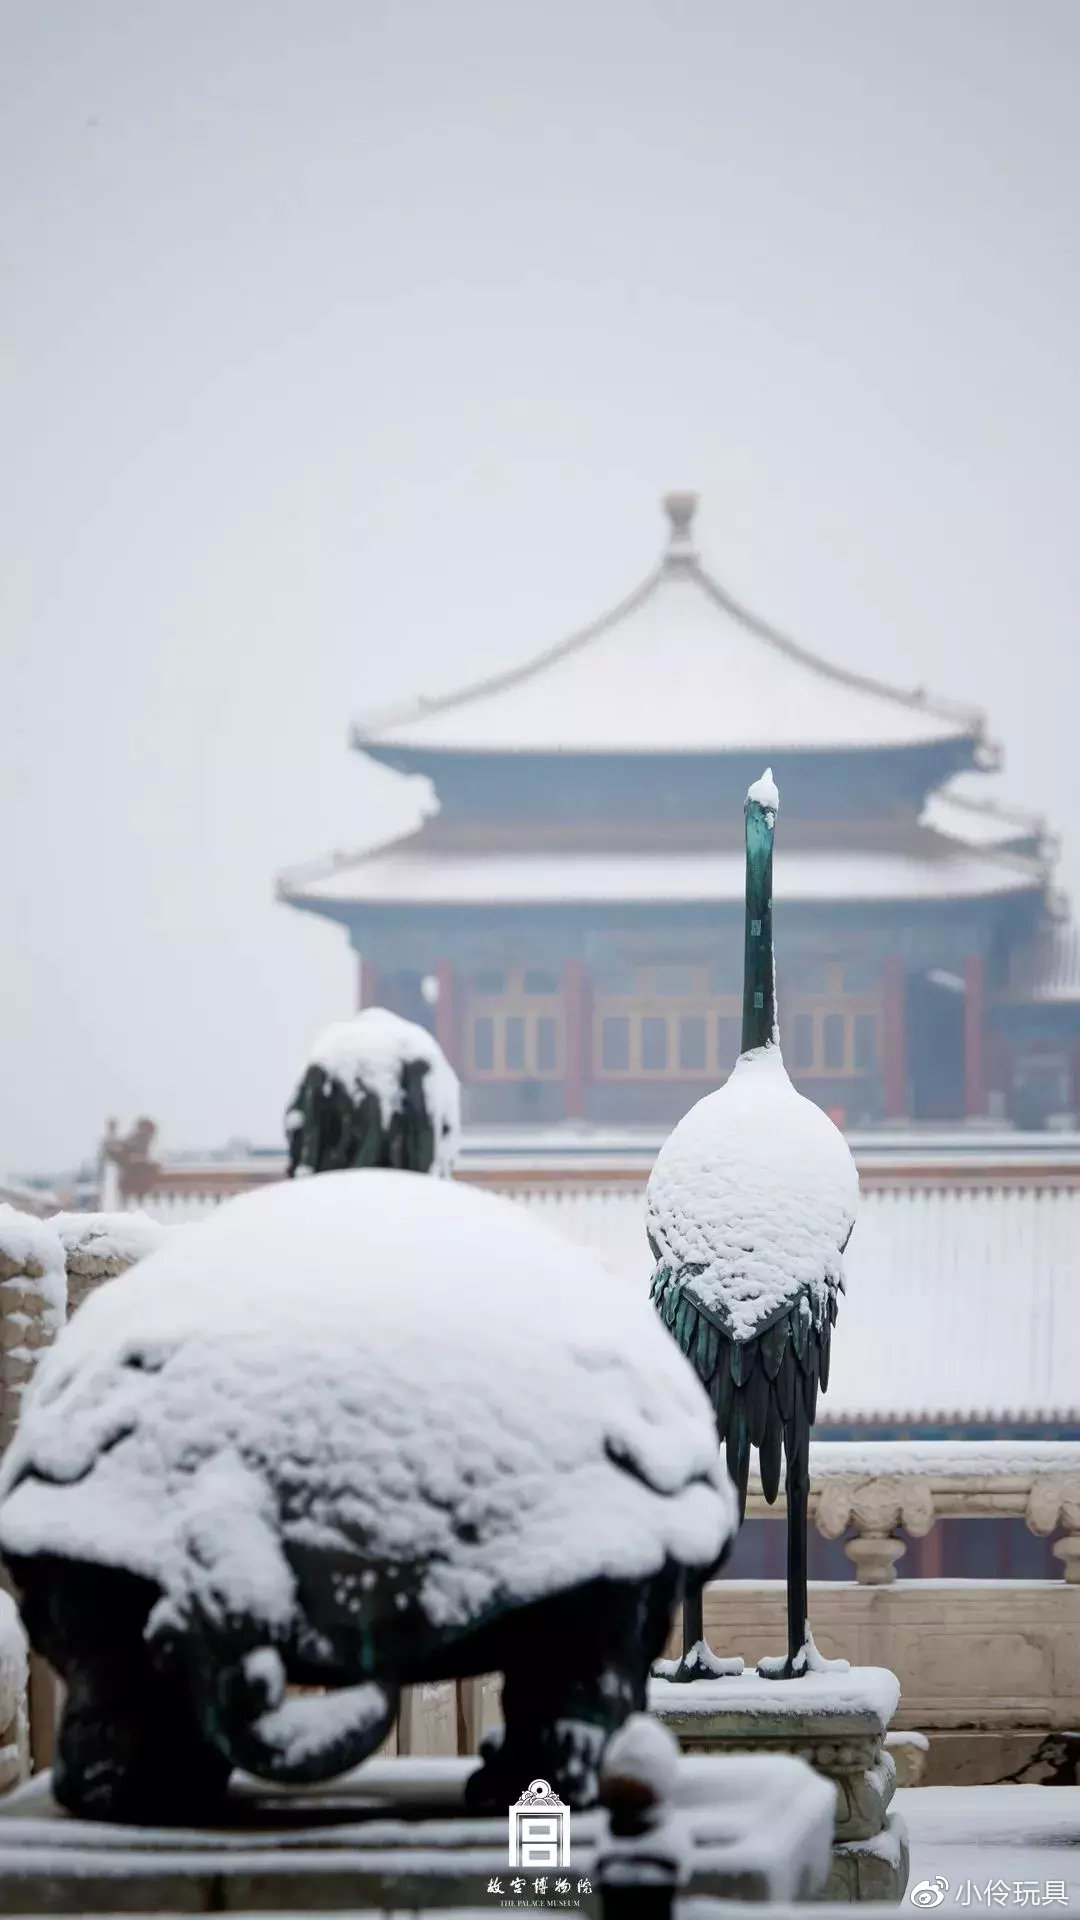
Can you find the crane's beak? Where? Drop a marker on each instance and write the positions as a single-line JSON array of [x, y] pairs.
[[763, 801]]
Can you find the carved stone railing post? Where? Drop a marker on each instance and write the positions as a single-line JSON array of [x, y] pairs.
[[1055, 1502], [14, 1717], [874, 1488], [33, 1301], [33, 1295], [875, 1508]]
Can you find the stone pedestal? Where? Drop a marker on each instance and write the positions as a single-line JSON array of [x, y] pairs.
[[393, 1837], [837, 1723], [871, 1870]]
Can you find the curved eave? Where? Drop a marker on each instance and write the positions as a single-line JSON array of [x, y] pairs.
[[407, 877], [959, 752], [986, 823]]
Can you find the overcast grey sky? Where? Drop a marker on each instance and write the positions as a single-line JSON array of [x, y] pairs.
[[347, 345]]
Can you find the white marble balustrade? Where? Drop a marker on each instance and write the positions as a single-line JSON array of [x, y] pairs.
[[876, 1488]]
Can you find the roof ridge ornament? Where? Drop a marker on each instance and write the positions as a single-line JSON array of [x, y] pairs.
[[680, 508]]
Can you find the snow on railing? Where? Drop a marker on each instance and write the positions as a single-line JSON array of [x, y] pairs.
[[176, 1209], [876, 1487]]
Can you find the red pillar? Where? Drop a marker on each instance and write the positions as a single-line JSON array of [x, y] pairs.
[[974, 1025], [446, 1027], [575, 989], [894, 1040], [997, 1069], [367, 985]]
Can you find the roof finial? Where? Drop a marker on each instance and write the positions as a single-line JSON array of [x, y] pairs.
[[680, 509]]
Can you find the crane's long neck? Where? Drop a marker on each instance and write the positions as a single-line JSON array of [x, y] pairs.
[[759, 1028]]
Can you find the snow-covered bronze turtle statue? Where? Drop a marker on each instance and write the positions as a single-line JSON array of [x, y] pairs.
[[348, 1434]]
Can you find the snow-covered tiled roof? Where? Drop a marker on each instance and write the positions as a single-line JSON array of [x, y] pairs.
[[681, 667], [962, 812], [415, 872], [962, 1303], [1048, 971]]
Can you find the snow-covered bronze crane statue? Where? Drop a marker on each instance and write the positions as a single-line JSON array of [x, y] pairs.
[[376, 1091], [749, 1209]]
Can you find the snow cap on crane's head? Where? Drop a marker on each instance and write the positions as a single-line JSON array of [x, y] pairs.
[[766, 796]]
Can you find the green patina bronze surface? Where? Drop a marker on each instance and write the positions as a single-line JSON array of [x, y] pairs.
[[759, 970]]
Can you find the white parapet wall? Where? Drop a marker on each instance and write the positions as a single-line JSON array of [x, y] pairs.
[[962, 1303], [963, 1272]]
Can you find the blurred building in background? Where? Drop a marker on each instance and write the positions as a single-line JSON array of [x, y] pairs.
[[569, 920]]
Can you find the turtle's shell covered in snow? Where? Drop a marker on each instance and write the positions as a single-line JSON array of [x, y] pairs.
[[403, 1374]]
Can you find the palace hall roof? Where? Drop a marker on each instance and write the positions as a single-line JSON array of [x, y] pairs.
[[677, 667], [651, 710]]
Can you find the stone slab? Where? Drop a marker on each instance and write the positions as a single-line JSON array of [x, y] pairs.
[[910, 1753], [393, 1836]]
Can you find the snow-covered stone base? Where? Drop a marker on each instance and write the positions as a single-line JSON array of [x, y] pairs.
[[859, 1701], [835, 1720], [873, 1870], [392, 1837]]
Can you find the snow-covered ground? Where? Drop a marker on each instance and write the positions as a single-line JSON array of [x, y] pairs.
[[1016, 1842]]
